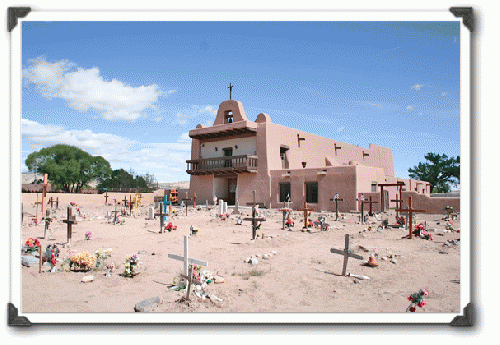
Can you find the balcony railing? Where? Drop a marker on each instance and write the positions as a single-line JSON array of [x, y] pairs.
[[222, 165]]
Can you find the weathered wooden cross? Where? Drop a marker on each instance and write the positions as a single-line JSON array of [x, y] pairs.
[[410, 210], [106, 197], [336, 199], [194, 200], [254, 218], [47, 214], [399, 184], [306, 210], [186, 199], [115, 212], [162, 218], [70, 221], [125, 201], [285, 212], [186, 259], [44, 192], [399, 203], [347, 254], [370, 202], [51, 202]]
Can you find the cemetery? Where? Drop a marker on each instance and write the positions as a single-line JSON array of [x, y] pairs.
[[126, 253]]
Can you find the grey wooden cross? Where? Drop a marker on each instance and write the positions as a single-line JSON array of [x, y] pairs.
[[47, 222], [336, 199], [186, 259], [162, 218], [254, 218], [70, 221], [347, 254], [115, 212]]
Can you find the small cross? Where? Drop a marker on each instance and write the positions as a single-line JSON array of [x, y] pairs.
[[254, 220], [230, 91], [186, 259], [336, 199], [370, 213], [186, 199], [115, 212], [125, 201], [47, 214], [347, 254], [410, 210], [398, 204], [162, 218], [306, 210], [69, 221], [299, 139], [336, 148]]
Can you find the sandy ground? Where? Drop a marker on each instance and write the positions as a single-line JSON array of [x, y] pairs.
[[304, 276]]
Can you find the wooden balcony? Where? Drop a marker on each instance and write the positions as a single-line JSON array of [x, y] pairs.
[[222, 165]]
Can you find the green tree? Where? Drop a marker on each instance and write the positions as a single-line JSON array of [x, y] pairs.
[[68, 167], [439, 170], [122, 179]]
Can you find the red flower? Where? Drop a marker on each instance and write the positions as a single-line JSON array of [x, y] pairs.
[[424, 292], [412, 309], [422, 304], [410, 299]]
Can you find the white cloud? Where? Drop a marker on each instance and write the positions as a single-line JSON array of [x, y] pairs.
[[203, 111], [85, 89], [417, 87], [167, 161]]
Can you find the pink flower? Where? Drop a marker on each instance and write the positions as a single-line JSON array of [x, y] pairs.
[[424, 292], [422, 304]]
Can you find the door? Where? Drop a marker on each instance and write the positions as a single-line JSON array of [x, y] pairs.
[[231, 195], [228, 152]]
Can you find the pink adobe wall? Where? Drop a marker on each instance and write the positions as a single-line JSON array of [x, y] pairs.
[[339, 180], [202, 185], [235, 106], [375, 197], [86, 199], [314, 149], [431, 205]]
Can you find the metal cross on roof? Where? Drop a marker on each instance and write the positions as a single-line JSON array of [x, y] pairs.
[[230, 90]]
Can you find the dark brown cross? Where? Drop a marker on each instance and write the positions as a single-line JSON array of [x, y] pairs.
[[365, 154], [186, 199], [362, 200], [347, 254], [44, 192], [194, 200], [399, 184], [51, 201], [306, 210], [70, 221], [410, 210], [125, 201], [131, 204], [336, 199], [106, 196], [254, 220], [230, 91], [299, 138], [162, 218], [370, 213], [336, 148]]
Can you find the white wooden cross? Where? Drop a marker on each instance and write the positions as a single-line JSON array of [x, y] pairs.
[[186, 259]]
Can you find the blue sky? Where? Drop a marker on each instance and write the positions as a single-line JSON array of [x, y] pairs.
[[131, 91]]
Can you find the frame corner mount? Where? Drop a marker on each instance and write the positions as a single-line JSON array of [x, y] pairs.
[[466, 14], [14, 319], [465, 319], [16, 12]]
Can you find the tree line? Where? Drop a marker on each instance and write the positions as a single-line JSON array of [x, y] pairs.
[[71, 169]]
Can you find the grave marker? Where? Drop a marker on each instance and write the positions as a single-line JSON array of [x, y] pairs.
[[336, 199], [115, 212], [70, 221], [186, 199], [410, 210], [346, 253], [47, 214], [106, 197], [162, 218], [399, 203], [370, 213], [254, 218], [44, 192], [186, 259], [306, 210]]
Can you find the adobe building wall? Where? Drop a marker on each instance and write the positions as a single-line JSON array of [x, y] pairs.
[[202, 185], [240, 145], [341, 180], [315, 149], [431, 205]]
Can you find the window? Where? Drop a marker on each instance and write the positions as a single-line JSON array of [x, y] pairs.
[[284, 157], [284, 192], [374, 187], [228, 152], [312, 192], [228, 117]]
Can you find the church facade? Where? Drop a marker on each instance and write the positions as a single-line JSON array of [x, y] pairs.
[[235, 157]]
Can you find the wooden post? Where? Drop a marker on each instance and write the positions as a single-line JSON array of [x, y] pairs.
[[44, 193], [194, 200], [410, 210], [346, 253], [186, 199], [47, 214], [306, 210], [70, 221], [106, 197], [254, 220], [336, 199], [41, 259]]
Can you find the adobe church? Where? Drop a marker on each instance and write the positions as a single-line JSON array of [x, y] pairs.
[[236, 156]]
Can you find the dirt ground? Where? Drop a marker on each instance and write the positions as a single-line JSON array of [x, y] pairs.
[[303, 276]]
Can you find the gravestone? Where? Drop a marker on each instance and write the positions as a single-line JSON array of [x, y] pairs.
[[151, 213]]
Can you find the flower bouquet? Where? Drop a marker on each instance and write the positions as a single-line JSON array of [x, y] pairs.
[[417, 299], [420, 232], [82, 261], [31, 245], [131, 264], [170, 227], [52, 252], [101, 255], [400, 220], [88, 235], [289, 223]]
